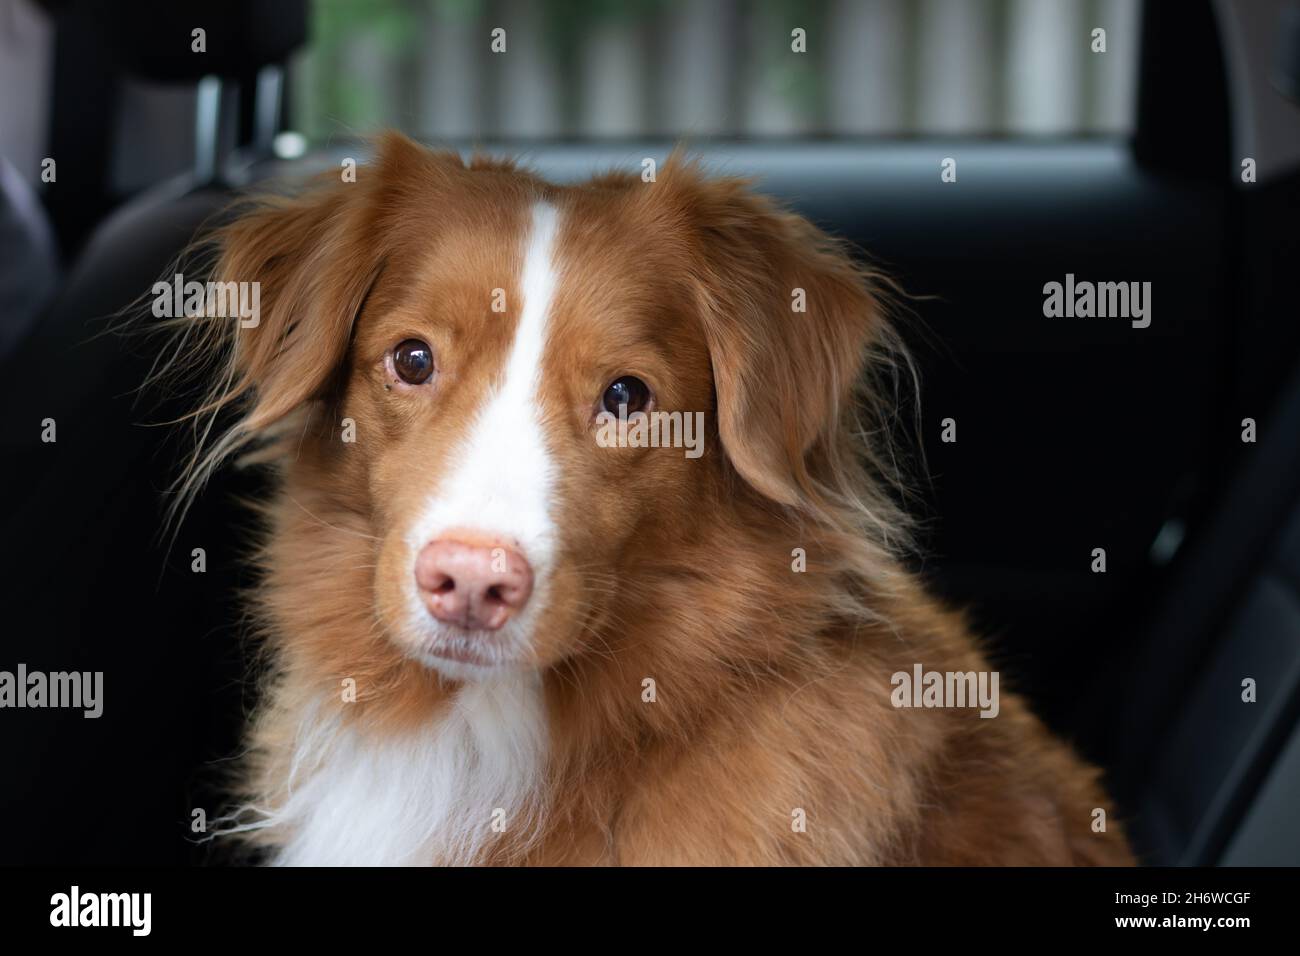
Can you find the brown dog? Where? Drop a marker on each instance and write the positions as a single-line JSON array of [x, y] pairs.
[[584, 549]]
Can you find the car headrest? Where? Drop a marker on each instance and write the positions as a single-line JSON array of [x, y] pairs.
[[154, 39]]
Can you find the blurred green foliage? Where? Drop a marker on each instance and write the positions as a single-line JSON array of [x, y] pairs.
[[391, 36]]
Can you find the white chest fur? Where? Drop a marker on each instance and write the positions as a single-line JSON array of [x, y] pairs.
[[440, 795]]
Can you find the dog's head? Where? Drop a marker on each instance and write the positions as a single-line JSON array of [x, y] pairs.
[[533, 393]]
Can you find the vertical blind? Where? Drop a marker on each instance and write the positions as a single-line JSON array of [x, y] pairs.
[[707, 68]]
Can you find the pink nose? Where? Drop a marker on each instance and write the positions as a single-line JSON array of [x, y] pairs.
[[473, 582]]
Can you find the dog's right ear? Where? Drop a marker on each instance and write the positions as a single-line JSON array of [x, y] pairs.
[[309, 261], [305, 263]]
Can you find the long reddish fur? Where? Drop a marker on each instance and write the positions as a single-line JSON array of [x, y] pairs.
[[773, 687]]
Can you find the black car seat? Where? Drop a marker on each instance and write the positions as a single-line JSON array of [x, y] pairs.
[[94, 586], [30, 270], [1214, 776]]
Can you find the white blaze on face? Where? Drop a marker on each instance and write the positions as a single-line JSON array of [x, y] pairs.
[[502, 476]]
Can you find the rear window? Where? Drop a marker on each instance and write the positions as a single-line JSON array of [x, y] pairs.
[[724, 68]]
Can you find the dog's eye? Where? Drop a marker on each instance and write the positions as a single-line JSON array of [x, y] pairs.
[[413, 361], [626, 391]]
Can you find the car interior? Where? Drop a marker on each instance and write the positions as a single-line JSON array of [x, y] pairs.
[[1071, 434]]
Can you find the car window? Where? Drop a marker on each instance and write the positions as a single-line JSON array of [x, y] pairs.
[[729, 68]]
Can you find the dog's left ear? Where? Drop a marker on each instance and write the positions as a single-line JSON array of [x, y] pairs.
[[789, 317]]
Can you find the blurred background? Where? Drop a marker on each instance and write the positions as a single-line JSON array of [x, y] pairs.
[[604, 69], [1168, 152]]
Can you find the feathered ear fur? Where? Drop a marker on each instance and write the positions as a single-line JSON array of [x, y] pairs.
[[801, 351], [314, 256]]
